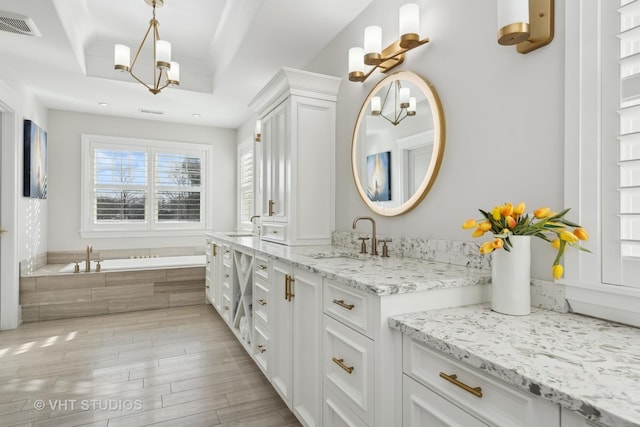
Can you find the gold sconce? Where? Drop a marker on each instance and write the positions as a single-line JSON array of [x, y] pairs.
[[393, 55], [258, 131], [528, 24]]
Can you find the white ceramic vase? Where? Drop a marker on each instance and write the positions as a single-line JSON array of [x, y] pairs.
[[511, 278]]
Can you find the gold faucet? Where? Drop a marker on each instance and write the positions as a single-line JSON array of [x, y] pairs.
[[374, 241], [87, 261]]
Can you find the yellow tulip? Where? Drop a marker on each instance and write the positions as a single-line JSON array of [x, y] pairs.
[[557, 271], [581, 233], [511, 223], [497, 243], [486, 248], [568, 236], [496, 213], [555, 244], [470, 223], [477, 233], [506, 209], [519, 209], [484, 226], [541, 213]]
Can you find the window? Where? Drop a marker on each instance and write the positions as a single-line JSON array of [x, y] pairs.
[[142, 186], [602, 162], [245, 184]]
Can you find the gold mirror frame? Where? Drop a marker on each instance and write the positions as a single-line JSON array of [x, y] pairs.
[[438, 143]]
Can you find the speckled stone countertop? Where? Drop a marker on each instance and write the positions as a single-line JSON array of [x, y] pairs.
[[586, 365], [377, 275]]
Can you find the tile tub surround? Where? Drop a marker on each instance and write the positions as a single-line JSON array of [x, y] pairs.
[[47, 295], [377, 275], [585, 365]]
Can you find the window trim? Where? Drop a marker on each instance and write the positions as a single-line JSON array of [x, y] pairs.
[[586, 119], [247, 145], [149, 229]]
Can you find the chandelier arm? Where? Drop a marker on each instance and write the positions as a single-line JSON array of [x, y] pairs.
[[140, 80], [144, 39]]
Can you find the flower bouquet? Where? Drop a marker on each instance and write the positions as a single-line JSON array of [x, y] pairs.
[[507, 220]]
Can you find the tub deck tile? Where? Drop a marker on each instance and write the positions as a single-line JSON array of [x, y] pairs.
[[136, 304]]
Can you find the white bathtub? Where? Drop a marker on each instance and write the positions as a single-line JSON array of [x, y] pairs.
[[142, 263]]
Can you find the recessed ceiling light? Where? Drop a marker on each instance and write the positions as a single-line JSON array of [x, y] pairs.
[[196, 115], [103, 104]]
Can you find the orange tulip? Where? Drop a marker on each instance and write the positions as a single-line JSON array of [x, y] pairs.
[[470, 223], [519, 209], [555, 244], [484, 226], [581, 233], [486, 248], [541, 213], [497, 243], [477, 233], [506, 209], [568, 236], [511, 223], [557, 271]]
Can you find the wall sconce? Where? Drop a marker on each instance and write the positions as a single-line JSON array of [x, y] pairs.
[[393, 55], [528, 24], [258, 131]]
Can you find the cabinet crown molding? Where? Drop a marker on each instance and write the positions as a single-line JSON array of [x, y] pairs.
[[289, 81]]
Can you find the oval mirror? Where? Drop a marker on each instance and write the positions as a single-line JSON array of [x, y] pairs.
[[398, 143]]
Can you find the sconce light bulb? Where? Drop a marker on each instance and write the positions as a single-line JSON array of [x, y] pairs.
[[513, 21], [409, 25], [372, 45]]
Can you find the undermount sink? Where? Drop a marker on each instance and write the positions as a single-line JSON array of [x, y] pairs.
[[340, 255]]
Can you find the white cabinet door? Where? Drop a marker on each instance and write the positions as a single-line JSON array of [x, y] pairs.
[[306, 301], [276, 164], [215, 278], [281, 333], [296, 321], [424, 408]]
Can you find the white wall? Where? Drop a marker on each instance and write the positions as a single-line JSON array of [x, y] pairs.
[[503, 113], [65, 130]]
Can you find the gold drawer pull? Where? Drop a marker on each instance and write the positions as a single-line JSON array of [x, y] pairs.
[[215, 249], [261, 348], [226, 307], [206, 286], [340, 362], [453, 379], [275, 231], [226, 275], [262, 267], [261, 302], [342, 304]]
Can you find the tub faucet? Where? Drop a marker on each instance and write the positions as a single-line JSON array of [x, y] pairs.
[[87, 261], [374, 241]]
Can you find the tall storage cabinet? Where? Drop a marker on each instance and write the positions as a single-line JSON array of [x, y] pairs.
[[296, 189]]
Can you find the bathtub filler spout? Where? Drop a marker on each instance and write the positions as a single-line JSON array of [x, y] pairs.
[[87, 260], [374, 241]]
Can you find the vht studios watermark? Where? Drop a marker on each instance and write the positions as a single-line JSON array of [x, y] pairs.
[[89, 405]]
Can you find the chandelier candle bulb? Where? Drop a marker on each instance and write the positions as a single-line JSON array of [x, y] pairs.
[[404, 97], [513, 21], [122, 57], [163, 54], [372, 45], [173, 74], [376, 106], [411, 109], [409, 25]]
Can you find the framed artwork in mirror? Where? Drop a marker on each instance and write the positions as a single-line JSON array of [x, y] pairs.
[[379, 177], [35, 161]]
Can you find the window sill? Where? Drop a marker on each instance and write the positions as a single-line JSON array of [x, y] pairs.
[[123, 234], [616, 303]]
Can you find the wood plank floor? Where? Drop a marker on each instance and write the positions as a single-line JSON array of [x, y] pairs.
[[169, 367]]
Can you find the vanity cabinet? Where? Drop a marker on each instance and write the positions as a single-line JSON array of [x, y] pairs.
[[296, 321], [440, 391], [297, 183]]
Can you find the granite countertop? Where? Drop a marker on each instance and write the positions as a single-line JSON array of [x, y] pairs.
[[373, 274], [586, 365]]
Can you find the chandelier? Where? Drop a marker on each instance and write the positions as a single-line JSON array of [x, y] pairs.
[[404, 105], [163, 66]]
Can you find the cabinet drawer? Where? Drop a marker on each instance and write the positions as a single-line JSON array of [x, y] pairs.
[[274, 232], [226, 277], [423, 407], [348, 367], [499, 405], [261, 350], [262, 268], [336, 414], [349, 306], [226, 307], [261, 300]]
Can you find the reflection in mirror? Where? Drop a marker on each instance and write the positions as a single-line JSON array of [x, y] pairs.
[[398, 143]]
